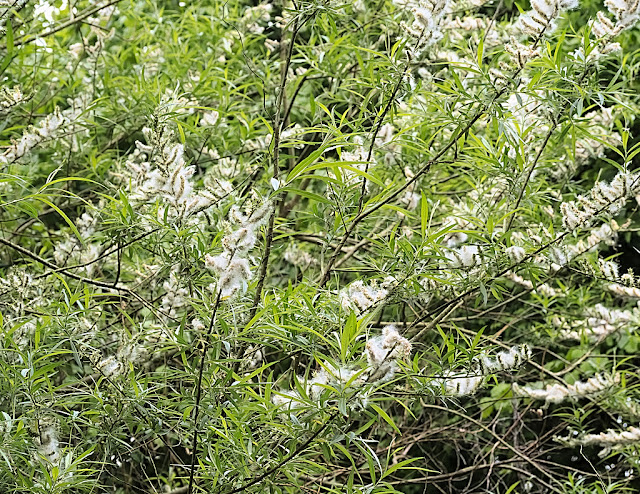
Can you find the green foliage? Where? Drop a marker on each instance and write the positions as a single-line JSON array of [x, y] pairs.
[[318, 246]]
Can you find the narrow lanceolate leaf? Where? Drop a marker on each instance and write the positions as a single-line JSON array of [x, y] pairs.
[[424, 215], [385, 416]]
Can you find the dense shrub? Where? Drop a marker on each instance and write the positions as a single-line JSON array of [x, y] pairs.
[[319, 246]]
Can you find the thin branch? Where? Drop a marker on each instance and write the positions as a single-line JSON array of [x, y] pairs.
[[64, 25], [203, 355], [288, 458], [277, 123]]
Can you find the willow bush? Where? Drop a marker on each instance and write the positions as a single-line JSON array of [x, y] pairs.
[[319, 246]]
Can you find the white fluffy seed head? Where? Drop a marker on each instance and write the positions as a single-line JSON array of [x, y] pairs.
[[542, 18], [466, 256], [47, 444], [467, 383], [557, 392], [387, 347], [515, 253]]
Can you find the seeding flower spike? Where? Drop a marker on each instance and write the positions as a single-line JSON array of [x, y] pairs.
[[506, 360], [33, 136], [289, 400], [515, 253], [542, 19], [520, 53], [159, 169], [541, 288], [455, 239], [609, 269], [110, 367], [626, 12], [467, 383], [209, 119], [381, 353], [233, 271], [10, 97], [458, 384], [428, 15], [601, 322], [328, 376], [466, 256], [604, 198], [197, 324], [298, 257], [174, 182], [359, 297], [175, 296], [624, 291], [609, 440], [232, 266], [557, 393], [47, 444]]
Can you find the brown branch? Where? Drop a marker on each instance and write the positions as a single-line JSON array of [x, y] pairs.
[[264, 265], [203, 355], [55, 268]]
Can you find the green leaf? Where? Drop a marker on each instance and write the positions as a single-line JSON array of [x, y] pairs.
[[307, 162], [400, 465], [61, 213], [348, 334], [424, 214], [347, 166], [385, 416], [8, 58], [307, 194]]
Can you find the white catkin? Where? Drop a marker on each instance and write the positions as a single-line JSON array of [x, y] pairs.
[[609, 440], [557, 393], [47, 444], [626, 12], [604, 198], [359, 297], [427, 19], [381, 353], [601, 322], [46, 129], [609, 270], [110, 367], [466, 256], [542, 18], [232, 265], [467, 383], [10, 97], [624, 291], [175, 296], [209, 118], [286, 399], [542, 288], [158, 168], [515, 253], [298, 257], [520, 53]]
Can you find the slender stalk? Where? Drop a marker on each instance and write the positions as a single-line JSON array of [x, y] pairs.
[[378, 127], [277, 132], [203, 354]]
